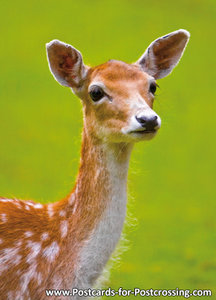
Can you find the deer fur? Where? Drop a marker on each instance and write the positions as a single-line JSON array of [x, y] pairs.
[[68, 243]]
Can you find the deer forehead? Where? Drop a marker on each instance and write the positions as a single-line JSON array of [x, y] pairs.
[[120, 79]]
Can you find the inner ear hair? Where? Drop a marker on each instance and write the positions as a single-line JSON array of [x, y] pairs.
[[164, 53], [66, 64]]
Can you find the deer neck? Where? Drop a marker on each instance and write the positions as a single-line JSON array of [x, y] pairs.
[[102, 176], [98, 207]]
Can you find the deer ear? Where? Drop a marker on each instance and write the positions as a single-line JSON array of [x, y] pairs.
[[164, 54], [66, 64]]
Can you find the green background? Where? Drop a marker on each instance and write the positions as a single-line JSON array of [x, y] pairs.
[[171, 179]]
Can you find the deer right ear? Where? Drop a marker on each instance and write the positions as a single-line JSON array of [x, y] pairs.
[[66, 64], [164, 54]]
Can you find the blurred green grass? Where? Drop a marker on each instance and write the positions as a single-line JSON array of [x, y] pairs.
[[171, 179]]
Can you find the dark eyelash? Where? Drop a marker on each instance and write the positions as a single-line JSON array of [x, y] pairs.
[[155, 95]]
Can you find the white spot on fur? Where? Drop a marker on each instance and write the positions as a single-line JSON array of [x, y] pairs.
[[6, 200], [18, 243], [38, 205], [10, 295], [17, 259], [1, 241], [35, 250], [64, 228], [4, 218], [27, 207], [28, 234], [71, 199], [50, 210], [27, 276], [51, 251], [75, 208], [17, 203], [29, 203], [97, 174], [44, 236], [19, 296], [62, 213], [18, 272], [38, 277], [8, 258]]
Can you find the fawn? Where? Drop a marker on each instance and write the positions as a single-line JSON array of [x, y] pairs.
[[68, 243]]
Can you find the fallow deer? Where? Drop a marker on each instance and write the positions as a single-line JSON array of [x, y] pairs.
[[68, 243]]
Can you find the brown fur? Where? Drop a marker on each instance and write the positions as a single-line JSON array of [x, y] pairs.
[[128, 89], [88, 211], [117, 76]]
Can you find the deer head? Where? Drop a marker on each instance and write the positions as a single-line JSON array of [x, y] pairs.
[[118, 97]]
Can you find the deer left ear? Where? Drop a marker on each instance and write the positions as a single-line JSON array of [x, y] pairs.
[[164, 54], [66, 64]]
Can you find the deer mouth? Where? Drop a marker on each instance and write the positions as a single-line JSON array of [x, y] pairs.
[[144, 131]]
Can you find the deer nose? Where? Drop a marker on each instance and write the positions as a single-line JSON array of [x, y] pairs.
[[148, 122]]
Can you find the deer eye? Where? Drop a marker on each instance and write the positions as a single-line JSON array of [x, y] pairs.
[[96, 93], [153, 88]]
